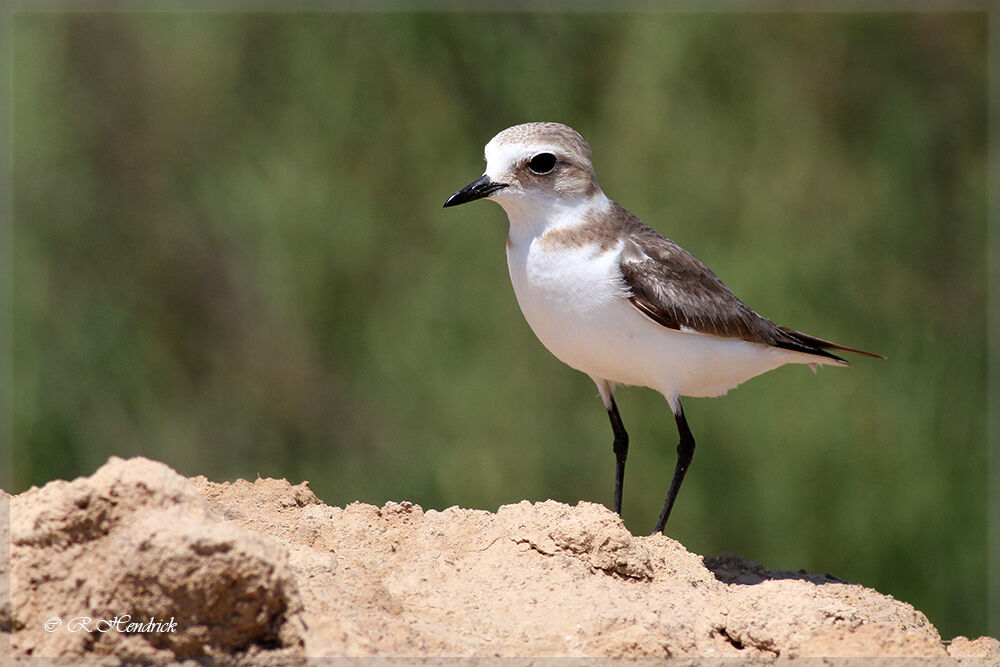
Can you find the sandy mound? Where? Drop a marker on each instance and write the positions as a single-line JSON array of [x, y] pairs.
[[138, 539], [265, 570]]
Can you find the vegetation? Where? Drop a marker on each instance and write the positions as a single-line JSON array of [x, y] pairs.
[[230, 255]]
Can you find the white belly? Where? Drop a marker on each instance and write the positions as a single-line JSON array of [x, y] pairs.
[[575, 301]]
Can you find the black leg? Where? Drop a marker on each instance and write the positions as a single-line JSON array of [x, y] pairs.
[[685, 451], [621, 451]]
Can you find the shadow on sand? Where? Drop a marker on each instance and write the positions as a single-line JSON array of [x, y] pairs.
[[731, 569]]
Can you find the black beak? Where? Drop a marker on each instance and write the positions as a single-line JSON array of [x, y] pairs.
[[477, 189]]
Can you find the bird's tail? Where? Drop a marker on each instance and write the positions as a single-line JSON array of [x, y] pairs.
[[800, 342]]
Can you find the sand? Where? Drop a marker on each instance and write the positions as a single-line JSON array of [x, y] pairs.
[[255, 572]]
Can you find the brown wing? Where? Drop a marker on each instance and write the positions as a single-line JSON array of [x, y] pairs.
[[672, 287]]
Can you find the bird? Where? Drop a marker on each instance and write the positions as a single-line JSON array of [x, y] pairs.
[[613, 298]]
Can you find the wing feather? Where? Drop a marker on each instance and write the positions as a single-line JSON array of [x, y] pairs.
[[675, 289]]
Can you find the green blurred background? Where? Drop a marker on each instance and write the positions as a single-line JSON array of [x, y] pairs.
[[230, 255]]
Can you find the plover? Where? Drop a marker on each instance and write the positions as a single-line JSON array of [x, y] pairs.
[[613, 298]]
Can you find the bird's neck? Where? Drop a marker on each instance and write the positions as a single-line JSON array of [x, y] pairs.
[[530, 217]]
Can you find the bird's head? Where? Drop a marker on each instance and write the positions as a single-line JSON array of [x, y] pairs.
[[534, 165]]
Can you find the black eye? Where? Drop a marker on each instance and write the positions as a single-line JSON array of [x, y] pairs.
[[542, 163]]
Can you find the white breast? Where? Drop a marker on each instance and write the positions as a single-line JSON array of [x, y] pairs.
[[570, 298]]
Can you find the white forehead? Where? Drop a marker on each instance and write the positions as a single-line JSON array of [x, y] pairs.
[[501, 156], [522, 142]]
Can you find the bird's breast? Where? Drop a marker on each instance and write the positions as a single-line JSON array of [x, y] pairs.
[[572, 297], [570, 283]]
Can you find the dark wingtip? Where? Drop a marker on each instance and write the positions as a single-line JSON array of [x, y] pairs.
[[822, 347]]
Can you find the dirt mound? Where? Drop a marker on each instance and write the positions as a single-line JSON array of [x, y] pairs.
[[138, 539], [264, 570]]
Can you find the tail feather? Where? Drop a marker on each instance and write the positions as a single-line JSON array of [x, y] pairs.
[[811, 345]]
